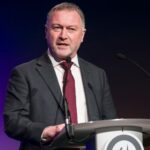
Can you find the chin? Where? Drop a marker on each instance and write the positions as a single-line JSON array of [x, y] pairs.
[[64, 56]]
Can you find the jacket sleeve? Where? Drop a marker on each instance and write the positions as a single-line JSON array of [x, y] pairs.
[[17, 119]]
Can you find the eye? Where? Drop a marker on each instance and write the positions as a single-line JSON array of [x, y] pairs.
[[56, 28], [71, 29]]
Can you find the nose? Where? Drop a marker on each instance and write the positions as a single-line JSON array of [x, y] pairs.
[[63, 34]]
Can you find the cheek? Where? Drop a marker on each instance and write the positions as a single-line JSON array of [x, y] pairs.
[[76, 38], [50, 38], [47, 36], [79, 39]]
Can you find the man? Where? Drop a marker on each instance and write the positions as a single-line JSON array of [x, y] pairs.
[[33, 109]]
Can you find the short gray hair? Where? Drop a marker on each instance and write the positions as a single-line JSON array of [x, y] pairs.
[[67, 6]]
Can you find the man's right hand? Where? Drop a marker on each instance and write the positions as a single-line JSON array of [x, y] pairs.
[[51, 131]]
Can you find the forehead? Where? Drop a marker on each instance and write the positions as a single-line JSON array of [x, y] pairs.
[[66, 17]]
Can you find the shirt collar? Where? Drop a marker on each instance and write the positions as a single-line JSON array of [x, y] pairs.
[[56, 63]]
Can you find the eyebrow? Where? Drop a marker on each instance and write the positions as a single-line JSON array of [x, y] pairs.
[[55, 24]]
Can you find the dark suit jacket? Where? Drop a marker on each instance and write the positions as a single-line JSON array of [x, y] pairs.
[[34, 100]]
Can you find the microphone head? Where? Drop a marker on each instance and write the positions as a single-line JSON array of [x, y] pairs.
[[68, 59], [121, 56]]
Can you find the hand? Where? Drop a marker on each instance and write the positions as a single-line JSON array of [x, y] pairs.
[[51, 131]]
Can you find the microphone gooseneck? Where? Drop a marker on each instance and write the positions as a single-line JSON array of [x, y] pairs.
[[124, 57], [121, 56], [68, 124]]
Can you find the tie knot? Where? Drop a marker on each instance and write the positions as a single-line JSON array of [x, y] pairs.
[[66, 66]]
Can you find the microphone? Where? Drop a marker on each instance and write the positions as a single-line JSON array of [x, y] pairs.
[[124, 57], [68, 123], [68, 59]]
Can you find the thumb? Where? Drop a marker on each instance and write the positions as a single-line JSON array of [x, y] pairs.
[[60, 127]]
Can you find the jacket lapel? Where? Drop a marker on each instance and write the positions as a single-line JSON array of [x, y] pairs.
[[88, 84], [46, 70]]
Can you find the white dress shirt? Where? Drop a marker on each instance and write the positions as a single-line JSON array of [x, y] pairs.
[[80, 94]]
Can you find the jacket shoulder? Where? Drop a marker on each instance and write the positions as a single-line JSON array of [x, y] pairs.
[[26, 65], [90, 65]]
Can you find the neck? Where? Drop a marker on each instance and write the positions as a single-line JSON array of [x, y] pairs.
[[58, 59]]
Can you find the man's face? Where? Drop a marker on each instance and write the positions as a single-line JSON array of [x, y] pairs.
[[64, 33]]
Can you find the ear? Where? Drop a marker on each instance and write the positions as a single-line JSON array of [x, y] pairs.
[[83, 34], [45, 32]]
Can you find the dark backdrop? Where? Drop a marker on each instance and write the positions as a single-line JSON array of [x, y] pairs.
[[112, 26]]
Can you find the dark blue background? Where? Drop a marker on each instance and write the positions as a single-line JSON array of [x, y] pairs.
[[112, 26]]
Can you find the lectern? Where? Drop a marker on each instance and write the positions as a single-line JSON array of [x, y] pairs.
[[117, 134]]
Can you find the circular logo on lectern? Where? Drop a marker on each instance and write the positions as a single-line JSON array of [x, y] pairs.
[[124, 142]]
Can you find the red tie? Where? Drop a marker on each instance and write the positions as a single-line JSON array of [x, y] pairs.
[[69, 90]]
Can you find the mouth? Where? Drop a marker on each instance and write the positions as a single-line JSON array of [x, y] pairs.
[[62, 45]]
